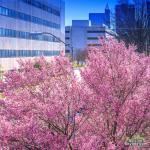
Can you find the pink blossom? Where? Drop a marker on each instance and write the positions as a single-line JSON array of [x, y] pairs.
[[46, 106]]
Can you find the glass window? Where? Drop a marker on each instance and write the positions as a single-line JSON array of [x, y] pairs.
[[25, 17], [0, 10], [26, 53], [4, 11], [43, 7], [25, 35], [1, 32]]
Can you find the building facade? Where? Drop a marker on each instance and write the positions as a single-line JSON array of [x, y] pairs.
[[82, 35], [20, 25], [148, 11], [125, 17], [100, 19], [133, 23], [85, 33]]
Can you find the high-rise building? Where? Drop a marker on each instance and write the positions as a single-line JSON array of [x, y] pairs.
[[22, 27], [148, 12], [125, 17], [123, 1], [100, 19], [133, 23], [148, 26], [107, 16]]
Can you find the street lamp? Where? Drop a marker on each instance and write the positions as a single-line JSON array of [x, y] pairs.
[[57, 38]]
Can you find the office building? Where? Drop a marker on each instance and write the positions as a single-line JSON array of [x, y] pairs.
[[22, 27], [127, 14], [133, 23], [82, 35], [148, 12], [123, 1], [125, 17], [100, 19], [86, 33]]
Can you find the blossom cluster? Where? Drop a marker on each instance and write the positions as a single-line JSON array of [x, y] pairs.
[[47, 107]]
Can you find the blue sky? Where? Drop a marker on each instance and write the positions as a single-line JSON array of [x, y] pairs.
[[79, 9]]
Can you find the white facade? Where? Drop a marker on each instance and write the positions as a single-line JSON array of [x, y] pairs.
[[81, 35], [20, 19]]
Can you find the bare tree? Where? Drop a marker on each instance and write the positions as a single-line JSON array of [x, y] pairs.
[[81, 56]]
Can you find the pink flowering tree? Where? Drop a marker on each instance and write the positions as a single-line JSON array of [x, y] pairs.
[[42, 106], [120, 80], [47, 107]]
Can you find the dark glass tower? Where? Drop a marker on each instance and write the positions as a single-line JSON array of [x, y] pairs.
[[125, 17], [107, 16]]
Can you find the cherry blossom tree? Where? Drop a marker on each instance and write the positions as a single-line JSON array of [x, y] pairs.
[[47, 107], [42, 106], [120, 80]]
